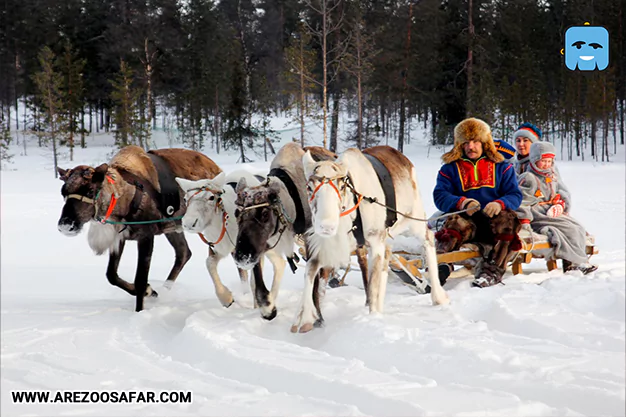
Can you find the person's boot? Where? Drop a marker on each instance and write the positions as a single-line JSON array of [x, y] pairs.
[[488, 274], [584, 268]]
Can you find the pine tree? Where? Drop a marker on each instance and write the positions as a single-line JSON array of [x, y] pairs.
[[131, 126], [238, 132], [5, 140], [73, 94]]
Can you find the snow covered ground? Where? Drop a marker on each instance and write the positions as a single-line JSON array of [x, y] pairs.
[[520, 349]]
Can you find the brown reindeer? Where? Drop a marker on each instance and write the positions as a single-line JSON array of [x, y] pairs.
[[134, 197]]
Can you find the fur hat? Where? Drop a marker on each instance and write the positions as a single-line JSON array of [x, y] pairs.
[[472, 129], [529, 131], [540, 150]]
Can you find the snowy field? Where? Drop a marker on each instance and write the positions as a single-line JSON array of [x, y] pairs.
[[544, 344]]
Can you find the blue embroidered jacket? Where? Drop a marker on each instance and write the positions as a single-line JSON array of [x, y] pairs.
[[482, 180]]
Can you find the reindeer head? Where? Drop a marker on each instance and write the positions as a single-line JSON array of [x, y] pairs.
[[257, 213], [80, 189], [328, 194], [202, 199]]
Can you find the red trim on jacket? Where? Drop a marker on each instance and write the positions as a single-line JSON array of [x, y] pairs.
[[475, 175]]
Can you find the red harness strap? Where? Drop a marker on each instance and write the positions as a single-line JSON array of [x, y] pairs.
[[325, 181], [111, 204], [222, 233], [330, 182]]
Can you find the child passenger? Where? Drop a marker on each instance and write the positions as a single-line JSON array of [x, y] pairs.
[[546, 205]]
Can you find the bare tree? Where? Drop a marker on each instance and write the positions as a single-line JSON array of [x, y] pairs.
[[49, 82], [325, 9], [148, 66], [358, 63], [300, 61]]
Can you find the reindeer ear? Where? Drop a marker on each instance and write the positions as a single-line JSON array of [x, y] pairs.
[[309, 164], [64, 174], [99, 173], [88, 173], [242, 184], [219, 180], [185, 184]]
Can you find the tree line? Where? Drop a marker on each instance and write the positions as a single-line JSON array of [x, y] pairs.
[[211, 65]]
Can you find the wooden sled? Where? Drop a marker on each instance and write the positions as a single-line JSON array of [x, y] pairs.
[[406, 264], [533, 247]]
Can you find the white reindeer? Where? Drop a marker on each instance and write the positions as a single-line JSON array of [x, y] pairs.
[[335, 190], [210, 213]]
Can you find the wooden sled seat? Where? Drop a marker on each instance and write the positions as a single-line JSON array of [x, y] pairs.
[[536, 245]]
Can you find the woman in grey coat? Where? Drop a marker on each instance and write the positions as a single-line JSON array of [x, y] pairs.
[[546, 205]]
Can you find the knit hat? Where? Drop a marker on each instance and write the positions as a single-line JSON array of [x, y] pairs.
[[528, 130], [540, 150], [472, 129], [507, 150]]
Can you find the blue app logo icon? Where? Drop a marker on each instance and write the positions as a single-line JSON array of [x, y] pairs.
[[587, 48]]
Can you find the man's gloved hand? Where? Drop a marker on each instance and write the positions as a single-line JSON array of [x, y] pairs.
[[527, 227], [492, 209], [471, 205], [555, 211]]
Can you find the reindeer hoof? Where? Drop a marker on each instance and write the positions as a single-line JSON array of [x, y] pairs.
[[335, 283], [318, 323], [294, 329], [270, 316], [150, 292], [305, 328]]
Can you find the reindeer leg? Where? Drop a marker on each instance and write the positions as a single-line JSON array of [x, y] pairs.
[[145, 248], [437, 293], [307, 314], [361, 256], [379, 266], [183, 254], [319, 291], [278, 264], [112, 276], [375, 266], [261, 294], [243, 278], [222, 292]]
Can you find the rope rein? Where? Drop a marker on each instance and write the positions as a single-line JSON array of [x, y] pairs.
[[112, 204], [360, 197]]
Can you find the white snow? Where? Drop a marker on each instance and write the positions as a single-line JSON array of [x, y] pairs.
[[554, 349]]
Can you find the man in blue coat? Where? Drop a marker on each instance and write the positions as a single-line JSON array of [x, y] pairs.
[[475, 176]]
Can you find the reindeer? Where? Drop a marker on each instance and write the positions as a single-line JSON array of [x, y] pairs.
[[211, 214], [345, 218], [134, 197]]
